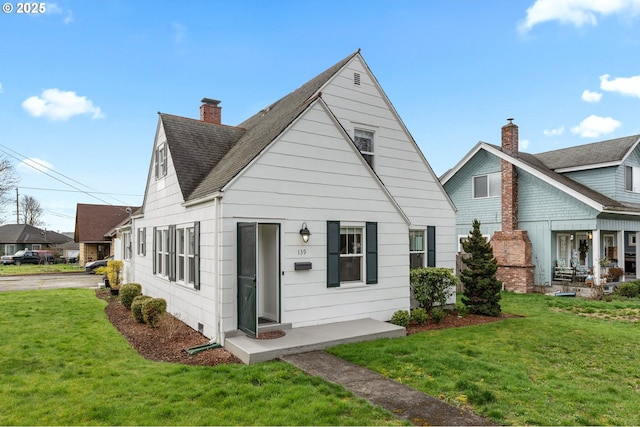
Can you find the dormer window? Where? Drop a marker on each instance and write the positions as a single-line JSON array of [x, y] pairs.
[[364, 142], [161, 160]]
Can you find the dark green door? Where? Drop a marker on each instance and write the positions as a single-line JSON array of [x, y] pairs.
[[247, 312]]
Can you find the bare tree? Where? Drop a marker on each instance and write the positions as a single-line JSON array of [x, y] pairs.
[[8, 181], [31, 211]]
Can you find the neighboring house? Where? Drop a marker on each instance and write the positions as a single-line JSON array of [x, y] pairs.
[[578, 206], [15, 237], [309, 212], [93, 225]]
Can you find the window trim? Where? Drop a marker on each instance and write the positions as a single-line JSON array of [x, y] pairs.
[[161, 160], [369, 156], [127, 248], [488, 187], [369, 266], [142, 241]]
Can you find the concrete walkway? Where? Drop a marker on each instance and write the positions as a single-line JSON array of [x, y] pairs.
[[405, 402]]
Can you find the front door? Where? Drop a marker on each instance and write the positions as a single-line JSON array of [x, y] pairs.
[[247, 310]]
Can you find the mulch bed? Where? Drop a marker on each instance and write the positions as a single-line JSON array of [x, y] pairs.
[[169, 341]]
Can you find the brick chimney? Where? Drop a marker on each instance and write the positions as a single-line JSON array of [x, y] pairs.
[[509, 178], [511, 247], [210, 111]]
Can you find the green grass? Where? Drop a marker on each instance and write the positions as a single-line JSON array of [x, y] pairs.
[[12, 270], [63, 363], [567, 362]]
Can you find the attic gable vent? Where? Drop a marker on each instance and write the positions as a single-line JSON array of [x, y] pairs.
[[356, 79]]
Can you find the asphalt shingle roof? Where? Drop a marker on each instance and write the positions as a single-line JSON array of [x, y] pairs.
[[207, 156], [613, 150], [94, 221], [28, 234]]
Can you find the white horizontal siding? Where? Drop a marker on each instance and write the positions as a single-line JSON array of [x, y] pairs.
[[314, 178]]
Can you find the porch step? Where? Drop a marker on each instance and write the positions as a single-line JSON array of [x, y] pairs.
[[310, 338]]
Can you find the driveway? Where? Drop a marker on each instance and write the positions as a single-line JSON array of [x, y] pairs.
[[48, 281]]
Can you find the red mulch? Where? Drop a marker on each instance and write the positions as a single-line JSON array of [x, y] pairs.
[[168, 342]]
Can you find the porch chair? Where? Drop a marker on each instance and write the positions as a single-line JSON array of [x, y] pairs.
[[580, 271]]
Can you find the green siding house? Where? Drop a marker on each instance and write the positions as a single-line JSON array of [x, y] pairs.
[[579, 207]]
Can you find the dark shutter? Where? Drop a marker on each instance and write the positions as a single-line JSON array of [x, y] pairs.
[[155, 251], [372, 252], [333, 254], [431, 246], [172, 253], [196, 255]]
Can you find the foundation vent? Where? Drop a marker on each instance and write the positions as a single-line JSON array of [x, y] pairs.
[[200, 328]]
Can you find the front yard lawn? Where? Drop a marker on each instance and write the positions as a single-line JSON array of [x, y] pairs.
[[12, 270], [63, 363], [568, 361]]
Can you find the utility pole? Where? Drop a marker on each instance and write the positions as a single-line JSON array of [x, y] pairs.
[[17, 207]]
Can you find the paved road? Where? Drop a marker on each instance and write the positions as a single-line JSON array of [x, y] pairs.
[[48, 281]]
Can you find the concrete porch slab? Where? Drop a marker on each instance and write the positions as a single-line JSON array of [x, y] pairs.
[[310, 338]]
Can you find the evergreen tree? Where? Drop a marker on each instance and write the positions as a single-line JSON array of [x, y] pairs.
[[481, 293]]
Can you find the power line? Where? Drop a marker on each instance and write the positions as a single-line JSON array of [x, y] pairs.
[[6, 149], [78, 191]]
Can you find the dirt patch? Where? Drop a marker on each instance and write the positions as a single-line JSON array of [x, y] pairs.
[[166, 343], [169, 341], [453, 320]]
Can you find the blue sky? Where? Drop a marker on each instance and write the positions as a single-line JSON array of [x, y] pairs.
[[81, 83]]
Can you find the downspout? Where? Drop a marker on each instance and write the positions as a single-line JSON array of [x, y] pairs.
[[213, 343]]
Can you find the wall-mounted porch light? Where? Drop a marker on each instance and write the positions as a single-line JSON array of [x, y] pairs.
[[304, 232], [590, 236]]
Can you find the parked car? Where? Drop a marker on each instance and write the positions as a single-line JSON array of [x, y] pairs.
[[91, 266], [28, 257]]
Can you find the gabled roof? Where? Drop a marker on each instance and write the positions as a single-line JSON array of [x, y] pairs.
[[28, 234], [532, 164], [221, 152], [94, 221], [589, 156]]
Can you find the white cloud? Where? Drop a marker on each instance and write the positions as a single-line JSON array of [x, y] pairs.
[[1, 89], [55, 9], [594, 126], [576, 12], [34, 164], [554, 132], [523, 144], [629, 86], [588, 96], [56, 104]]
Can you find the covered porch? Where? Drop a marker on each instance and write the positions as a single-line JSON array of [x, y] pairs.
[[588, 257]]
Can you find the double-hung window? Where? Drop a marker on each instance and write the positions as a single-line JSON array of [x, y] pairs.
[[486, 185], [364, 142], [176, 253], [186, 255], [142, 241], [126, 245], [632, 179], [161, 252], [352, 253], [416, 248], [161, 160]]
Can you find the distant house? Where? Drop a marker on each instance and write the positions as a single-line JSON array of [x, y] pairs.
[[14, 237], [554, 216], [309, 212], [94, 224]]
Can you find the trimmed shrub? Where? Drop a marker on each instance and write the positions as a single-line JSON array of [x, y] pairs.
[[431, 286], [152, 310], [136, 307], [128, 292], [629, 289], [419, 315], [401, 318], [438, 315]]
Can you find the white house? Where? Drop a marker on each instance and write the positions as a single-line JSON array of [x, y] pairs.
[[309, 212]]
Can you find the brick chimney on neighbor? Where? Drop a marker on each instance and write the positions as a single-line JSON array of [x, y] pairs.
[[210, 111], [511, 247]]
